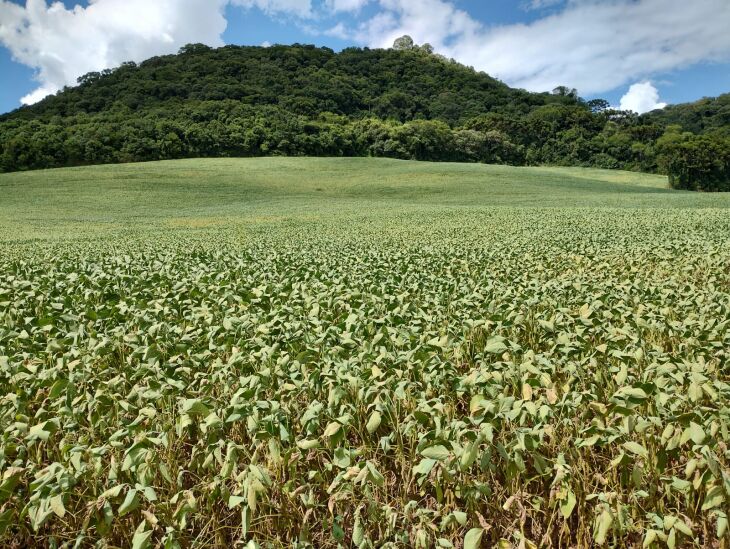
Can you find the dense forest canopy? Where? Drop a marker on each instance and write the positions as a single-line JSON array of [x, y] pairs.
[[405, 102]]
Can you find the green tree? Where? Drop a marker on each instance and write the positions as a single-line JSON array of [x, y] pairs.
[[404, 43], [695, 162]]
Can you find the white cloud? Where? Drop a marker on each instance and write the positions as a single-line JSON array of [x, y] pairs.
[[541, 4], [37, 95], [62, 44], [340, 31], [300, 8], [592, 45], [642, 97], [434, 21], [345, 5]]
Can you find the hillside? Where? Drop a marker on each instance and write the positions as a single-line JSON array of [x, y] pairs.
[[259, 194], [305, 80], [708, 115], [307, 101]]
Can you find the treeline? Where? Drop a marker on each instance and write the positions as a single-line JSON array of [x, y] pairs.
[[548, 135], [403, 103]]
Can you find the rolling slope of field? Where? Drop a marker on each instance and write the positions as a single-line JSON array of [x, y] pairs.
[[362, 353], [252, 192]]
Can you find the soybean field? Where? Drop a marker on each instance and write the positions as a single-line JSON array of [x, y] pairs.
[[295, 352]]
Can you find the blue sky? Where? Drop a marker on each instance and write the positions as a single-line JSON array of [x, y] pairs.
[[639, 54]]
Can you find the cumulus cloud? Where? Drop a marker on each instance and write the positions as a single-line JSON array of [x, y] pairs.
[[437, 22], [592, 45], [62, 44], [340, 31], [642, 97]]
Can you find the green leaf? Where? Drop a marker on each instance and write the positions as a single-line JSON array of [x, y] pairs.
[[460, 517], [56, 504], [58, 388], [6, 519], [649, 538], [547, 325], [342, 458], [338, 534], [636, 393], [696, 433], [473, 538], [424, 467], [358, 532], [332, 429], [308, 444], [246, 517], [694, 392], [375, 475], [603, 526], [194, 406], [684, 528], [130, 503], [373, 422], [568, 504], [141, 539], [715, 498], [495, 346], [681, 485], [470, 454], [235, 501], [672, 539], [722, 525], [636, 448], [38, 432], [439, 453], [11, 477], [38, 514], [113, 492]]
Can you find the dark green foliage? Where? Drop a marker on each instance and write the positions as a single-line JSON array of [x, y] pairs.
[[302, 79], [296, 100], [695, 162], [708, 115]]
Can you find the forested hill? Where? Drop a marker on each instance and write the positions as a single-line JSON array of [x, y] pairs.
[[708, 115], [390, 84], [405, 102]]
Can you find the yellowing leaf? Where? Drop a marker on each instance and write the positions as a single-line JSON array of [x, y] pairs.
[[373, 422], [636, 448]]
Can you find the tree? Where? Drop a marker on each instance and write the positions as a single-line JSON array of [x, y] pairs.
[[397, 105], [565, 91], [598, 105], [404, 43], [695, 162], [88, 78], [194, 48]]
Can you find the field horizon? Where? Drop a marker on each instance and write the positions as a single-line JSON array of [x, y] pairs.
[[198, 193]]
